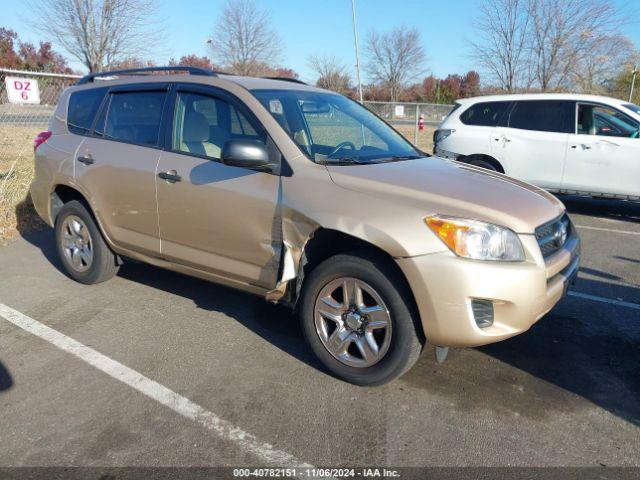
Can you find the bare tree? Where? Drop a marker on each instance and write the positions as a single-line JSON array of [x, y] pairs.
[[500, 46], [395, 58], [609, 56], [244, 42], [332, 74], [562, 34], [98, 32]]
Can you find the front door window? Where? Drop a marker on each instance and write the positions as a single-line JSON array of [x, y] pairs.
[[605, 122], [203, 124]]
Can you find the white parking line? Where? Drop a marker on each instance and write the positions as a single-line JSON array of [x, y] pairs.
[[154, 390], [611, 301], [611, 230]]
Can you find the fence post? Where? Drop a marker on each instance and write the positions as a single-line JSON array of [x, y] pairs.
[[416, 125]]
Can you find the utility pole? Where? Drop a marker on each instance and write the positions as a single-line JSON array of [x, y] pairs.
[[355, 38], [633, 82]]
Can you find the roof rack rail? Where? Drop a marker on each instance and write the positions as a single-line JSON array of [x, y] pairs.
[[133, 71], [286, 79]]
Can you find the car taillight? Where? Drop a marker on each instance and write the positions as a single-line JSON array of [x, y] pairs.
[[40, 139]]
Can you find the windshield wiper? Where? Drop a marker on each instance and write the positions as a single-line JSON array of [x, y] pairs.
[[342, 161], [396, 158], [360, 161]]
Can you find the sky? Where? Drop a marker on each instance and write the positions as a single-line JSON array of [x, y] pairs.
[[322, 27]]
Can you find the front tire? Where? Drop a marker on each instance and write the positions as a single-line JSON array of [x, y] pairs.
[[359, 319], [84, 254], [484, 164]]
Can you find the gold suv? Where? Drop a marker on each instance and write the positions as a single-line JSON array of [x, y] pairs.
[[303, 197]]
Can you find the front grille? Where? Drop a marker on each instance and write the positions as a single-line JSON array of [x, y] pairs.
[[553, 235]]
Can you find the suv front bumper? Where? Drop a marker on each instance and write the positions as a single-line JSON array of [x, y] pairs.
[[439, 152], [444, 286]]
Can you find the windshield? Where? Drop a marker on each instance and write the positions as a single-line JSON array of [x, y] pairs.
[[634, 108], [330, 128]]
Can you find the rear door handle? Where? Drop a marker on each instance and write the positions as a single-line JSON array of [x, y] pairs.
[[87, 160], [170, 176]]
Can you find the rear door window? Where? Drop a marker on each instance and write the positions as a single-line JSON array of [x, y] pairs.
[[134, 117], [486, 114], [543, 116], [83, 106]]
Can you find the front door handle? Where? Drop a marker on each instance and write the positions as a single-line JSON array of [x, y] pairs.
[[171, 176], [87, 160]]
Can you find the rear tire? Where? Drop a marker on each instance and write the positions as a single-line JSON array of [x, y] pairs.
[[84, 254], [375, 354], [484, 164]]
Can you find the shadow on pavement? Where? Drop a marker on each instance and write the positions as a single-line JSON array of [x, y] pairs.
[[274, 323], [45, 240], [6, 382], [622, 210], [588, 348]]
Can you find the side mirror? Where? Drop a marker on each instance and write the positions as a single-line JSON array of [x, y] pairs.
[[246, 154]]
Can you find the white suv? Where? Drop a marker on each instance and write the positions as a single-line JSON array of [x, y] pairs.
[[564, 143]]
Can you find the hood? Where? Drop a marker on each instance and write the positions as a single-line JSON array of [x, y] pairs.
[[440, 186]]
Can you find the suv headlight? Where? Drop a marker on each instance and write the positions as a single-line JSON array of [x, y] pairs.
[[477, 240]]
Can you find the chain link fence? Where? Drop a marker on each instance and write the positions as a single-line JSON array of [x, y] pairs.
[[405, 117], [19, 125]]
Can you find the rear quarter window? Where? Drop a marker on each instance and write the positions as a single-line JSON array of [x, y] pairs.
[[83, 106], [485, 114]]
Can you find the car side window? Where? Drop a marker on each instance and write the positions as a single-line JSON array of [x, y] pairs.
[[133, 117], [605, 122], [202, 125], [82, 109], [485, 114], [543, 116]]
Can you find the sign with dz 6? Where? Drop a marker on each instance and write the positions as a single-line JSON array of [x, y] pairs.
[[22, 90]]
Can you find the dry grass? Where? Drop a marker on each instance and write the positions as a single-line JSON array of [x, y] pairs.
[[16, 171], [425, 137]]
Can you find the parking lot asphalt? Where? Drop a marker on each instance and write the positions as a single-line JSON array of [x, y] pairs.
[[566, 393]]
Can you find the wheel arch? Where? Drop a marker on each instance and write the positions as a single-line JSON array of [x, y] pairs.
[[482, 157], [326, 242], [63, 194]]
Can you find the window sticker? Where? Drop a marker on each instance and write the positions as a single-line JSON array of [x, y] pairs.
[[275, 107]]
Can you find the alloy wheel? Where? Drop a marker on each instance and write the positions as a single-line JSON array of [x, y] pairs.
[[352, 322], [76, 243]]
